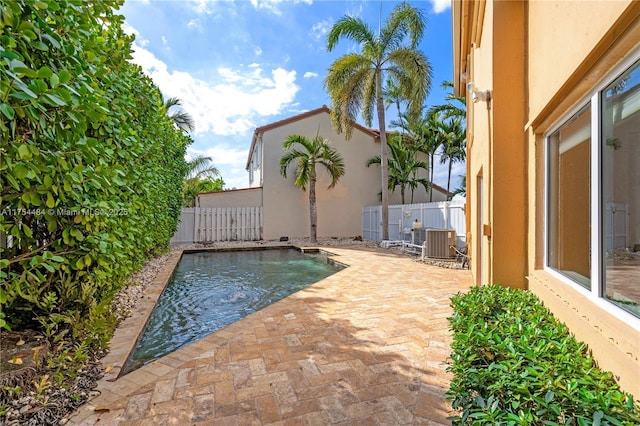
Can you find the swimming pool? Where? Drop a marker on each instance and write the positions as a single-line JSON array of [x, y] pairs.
[[210, 290]]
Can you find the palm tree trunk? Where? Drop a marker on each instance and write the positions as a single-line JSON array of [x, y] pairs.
[[432, 155], [313, 211], [384, 160], [449, 178]]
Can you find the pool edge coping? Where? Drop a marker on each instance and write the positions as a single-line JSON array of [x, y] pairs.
[[128, 331]]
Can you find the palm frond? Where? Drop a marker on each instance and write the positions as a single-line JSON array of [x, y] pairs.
[[180, 118], [351, 28], [405, 20], [183, 121], [200, 167], [414, 73], [315, 151]]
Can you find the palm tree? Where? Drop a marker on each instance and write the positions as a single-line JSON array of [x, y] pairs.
[[453, 145], [315, 151], [180, 117], [456, 106], [393, 96], [199, 170], [451, 134], [462, 188], [403, 167], [426, 135], [354, 81]]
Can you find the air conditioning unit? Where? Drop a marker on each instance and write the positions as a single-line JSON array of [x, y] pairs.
[[439, 243], [418, 236]]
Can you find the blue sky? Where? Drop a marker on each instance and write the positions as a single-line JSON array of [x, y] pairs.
[[238, 65]]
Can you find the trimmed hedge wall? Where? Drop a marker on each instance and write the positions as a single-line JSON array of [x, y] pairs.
[[515, 364], [91, 167]]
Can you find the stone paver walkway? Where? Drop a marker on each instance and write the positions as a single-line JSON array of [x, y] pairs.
[[365, 346]]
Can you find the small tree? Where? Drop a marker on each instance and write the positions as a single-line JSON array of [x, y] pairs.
[[453, 145], [315, 151], [403, 167], [200, 178]]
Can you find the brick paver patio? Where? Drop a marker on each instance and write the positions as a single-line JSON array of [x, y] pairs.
[[365, 346]]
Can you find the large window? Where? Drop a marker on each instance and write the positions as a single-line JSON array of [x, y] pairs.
[[593, 193], [569, 204], [621, 190]]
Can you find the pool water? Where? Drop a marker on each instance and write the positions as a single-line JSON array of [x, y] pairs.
[[210, 290]]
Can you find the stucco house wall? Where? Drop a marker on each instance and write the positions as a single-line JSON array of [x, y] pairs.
[[247, 197], [541, 62], [286, 208]]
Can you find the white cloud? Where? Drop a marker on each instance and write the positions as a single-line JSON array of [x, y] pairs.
[[356, 12], [320, 29], [165, 42], [195, 24], [273, 5], [310, 74], [258, 51], [222, 155], [231, 102], [202, 6], [441, 173], [128, 29], [440, 6], [230, 161]]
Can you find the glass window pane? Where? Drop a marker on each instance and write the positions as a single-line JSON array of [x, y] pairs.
[[569, 200], [621, 190]]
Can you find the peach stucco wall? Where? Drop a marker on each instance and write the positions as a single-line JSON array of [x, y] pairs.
[[286, 208], [249, 197], [541, 59], [561, 36]]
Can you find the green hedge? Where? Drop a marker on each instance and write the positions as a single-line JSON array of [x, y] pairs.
[[515, 364], [91, 167]]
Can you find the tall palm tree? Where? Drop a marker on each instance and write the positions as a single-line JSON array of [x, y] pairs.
[[180, 117], [354, 81], [403, 167], [451, 133], [316, 151], [453, 145], [199, 169]]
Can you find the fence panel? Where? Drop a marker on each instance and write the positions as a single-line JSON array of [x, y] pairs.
[[185, 234], [371, 226], [199, 225], [437, 215]]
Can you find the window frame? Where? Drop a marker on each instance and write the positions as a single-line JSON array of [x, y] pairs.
[[596, 293]]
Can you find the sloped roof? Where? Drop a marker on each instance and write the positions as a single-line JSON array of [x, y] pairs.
[[375, 134], [435, 186]]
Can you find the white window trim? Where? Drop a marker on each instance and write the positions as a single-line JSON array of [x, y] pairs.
[[596, 293]]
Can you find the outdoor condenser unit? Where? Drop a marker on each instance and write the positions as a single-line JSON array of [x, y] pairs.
[[439, 242]]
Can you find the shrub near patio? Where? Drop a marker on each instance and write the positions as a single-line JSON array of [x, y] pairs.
[[515, 364], [91, 169]]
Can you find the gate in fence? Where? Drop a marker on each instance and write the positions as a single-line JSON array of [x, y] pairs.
[[439, 215], [200, 224]]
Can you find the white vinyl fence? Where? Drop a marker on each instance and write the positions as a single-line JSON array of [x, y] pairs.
[[438, 215], [199, 225]]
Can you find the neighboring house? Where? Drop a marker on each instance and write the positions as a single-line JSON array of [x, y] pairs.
[[286, 207], [553, 161]]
